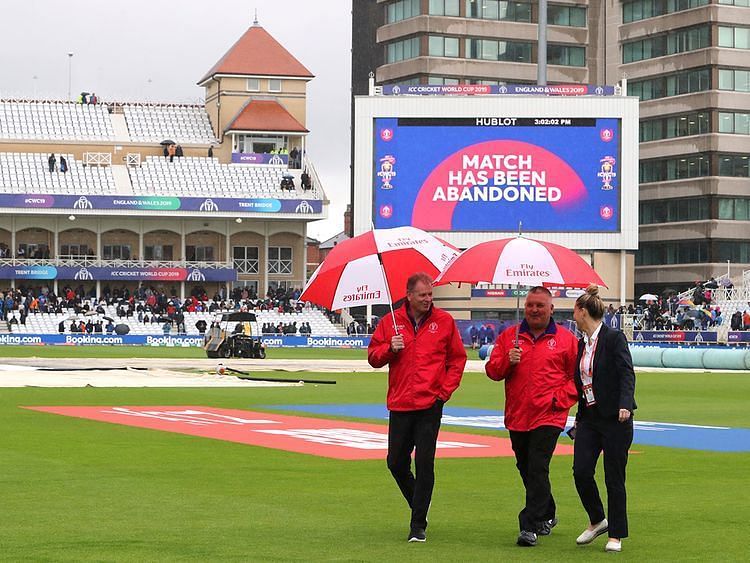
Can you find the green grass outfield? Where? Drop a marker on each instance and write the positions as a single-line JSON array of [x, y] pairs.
[[79, 490]]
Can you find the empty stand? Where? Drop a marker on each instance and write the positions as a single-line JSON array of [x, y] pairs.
[[54, 121], [202, 176], [29, 173], [182, 124]]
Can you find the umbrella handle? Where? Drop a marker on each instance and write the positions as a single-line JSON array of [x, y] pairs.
[[388, 289], [518, 303]]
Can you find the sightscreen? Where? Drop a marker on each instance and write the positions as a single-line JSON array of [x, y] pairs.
[[494, 173]]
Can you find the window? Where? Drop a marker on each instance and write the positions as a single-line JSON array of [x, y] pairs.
[[274, 85], [734, 37], [443, 46], [735, 165], [401, 10], [199, 253], [635, 10], [498, 10], [572, 16], [566, 55], [675, 126], [116, 252], [679, 41], [672, 210], [735, 2], [734, 123], [442, 80], [683, 252], [253, 85], [736, 209], [158, 252], [491, 50], [732, 251], [245, 259], [737, 80], [678, 168], [279, 260], [685, 82], [443, 7], [402, 50], [68, 250]]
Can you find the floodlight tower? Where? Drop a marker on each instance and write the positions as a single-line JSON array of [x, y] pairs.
[[70, 72]]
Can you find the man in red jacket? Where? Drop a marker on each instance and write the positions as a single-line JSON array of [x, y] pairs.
[[537, 361], [426, 358]]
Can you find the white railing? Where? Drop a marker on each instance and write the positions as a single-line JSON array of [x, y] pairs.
[[97, 159]]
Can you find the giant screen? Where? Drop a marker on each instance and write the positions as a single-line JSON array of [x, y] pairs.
[[492, 173]]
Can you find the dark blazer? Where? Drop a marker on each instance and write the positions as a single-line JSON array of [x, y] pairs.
[[613, 375]]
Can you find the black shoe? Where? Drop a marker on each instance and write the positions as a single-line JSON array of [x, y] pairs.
[[545, 528], [417, 534], [526, 539]]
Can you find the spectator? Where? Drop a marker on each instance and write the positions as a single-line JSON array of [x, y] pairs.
[[305, 181], [294, 158], [735, 323], [201, 326], [63, 164], [172, 151], [211, 151], [52, 161], [178, 151], [745, 319]]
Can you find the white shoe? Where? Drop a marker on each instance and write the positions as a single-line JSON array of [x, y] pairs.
[[614, 546], [590, 535]]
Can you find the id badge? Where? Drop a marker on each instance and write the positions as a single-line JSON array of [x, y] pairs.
[[588, 394]]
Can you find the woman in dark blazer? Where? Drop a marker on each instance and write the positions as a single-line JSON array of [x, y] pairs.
[[604, 422]]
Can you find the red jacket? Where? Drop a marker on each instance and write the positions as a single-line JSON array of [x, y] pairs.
[[540, 390], [428, 368]]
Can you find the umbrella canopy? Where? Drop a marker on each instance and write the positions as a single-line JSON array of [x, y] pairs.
[[686, 301], [110, 319], [649, 297], [352, 274], [521, 261], [122, 328], [167, 142]]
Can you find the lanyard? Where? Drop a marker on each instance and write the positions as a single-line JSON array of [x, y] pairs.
[[587, 361]]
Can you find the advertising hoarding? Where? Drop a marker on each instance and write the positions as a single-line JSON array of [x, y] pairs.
[[161, 203]]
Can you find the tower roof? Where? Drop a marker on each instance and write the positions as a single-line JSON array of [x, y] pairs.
[[265, 115], [256, 53]]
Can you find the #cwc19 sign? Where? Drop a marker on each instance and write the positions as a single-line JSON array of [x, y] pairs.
[[105, 273]]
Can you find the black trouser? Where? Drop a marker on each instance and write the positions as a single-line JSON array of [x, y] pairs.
[[408, 430], [533, 451], [596, 434]]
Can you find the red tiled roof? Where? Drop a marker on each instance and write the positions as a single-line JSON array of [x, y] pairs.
[[265, 115], [256, 53]]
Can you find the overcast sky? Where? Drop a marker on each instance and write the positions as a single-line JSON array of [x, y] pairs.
[[156, 50]]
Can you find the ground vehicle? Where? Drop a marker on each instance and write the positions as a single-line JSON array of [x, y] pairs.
[[234, 335]]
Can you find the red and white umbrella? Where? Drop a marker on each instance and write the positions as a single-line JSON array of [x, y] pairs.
[[520, 261], [372, 268]]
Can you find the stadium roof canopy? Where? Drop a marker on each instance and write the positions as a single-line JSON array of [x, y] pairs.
[[265, 115], [256, 53]]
